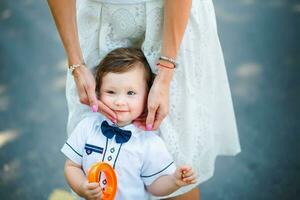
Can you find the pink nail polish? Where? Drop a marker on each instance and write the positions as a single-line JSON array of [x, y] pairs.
[[149, 127], [94, 108]]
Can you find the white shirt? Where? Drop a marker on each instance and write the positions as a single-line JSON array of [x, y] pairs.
[[137, 162], [122, 1]]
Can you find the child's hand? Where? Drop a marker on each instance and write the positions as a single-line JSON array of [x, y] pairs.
[[91, 191], [184, 175]]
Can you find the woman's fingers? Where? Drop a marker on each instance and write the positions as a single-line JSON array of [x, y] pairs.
[[155, 117], [89, 87], [140, 124], [151, 116], [81, 92], [160, 115], [85, 83], [93, 101], [107, 112], [158, 102]]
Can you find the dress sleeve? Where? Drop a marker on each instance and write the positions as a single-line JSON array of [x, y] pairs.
[[74, 147], [157, 160]]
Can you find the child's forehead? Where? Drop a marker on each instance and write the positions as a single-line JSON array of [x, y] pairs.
[[137, 71], [131, 77]]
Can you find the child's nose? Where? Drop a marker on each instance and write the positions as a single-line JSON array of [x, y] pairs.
[[120, 101]]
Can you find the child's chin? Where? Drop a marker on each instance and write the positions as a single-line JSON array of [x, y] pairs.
[[123, 122]]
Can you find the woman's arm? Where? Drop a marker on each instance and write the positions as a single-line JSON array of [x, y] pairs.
[[64, 14], [176, 15]]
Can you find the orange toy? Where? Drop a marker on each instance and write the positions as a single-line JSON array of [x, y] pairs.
[[111, 187]]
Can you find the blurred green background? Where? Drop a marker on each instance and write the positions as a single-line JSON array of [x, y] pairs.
[[261, 47]]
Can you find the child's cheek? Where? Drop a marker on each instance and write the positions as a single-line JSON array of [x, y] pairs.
[[107, 100], [140, 105]]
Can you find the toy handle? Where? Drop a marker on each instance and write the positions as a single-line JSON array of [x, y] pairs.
[[111, 178]]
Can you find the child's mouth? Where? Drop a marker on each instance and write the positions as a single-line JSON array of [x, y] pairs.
[[121, 111]]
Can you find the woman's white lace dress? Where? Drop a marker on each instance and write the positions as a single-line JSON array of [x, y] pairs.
[[201, 122]]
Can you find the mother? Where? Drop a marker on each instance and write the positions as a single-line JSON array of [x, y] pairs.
[[200, 123]]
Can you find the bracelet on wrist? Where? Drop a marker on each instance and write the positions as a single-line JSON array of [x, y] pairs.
[[168, 59], [73, 67], [164, 66]]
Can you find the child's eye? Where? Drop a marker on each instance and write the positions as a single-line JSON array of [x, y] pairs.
[[110, 92], [130, 93]]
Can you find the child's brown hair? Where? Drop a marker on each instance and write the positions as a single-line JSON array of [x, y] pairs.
[[123, 60]]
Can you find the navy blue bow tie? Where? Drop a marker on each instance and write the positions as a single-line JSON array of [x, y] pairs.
[[122, 136]]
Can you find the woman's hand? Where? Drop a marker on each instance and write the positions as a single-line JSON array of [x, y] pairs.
[[173, 30], [85, 83], [158, 98], [158, 105]]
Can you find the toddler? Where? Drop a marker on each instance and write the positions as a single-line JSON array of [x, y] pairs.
[[140, 159]]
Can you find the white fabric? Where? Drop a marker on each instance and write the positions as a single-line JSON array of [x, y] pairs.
[[121, 1], [137, 163], [201, 121]]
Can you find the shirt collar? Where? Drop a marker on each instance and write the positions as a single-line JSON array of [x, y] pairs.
[[130, 127]]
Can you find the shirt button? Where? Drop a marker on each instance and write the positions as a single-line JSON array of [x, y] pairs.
[[112, 150]]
